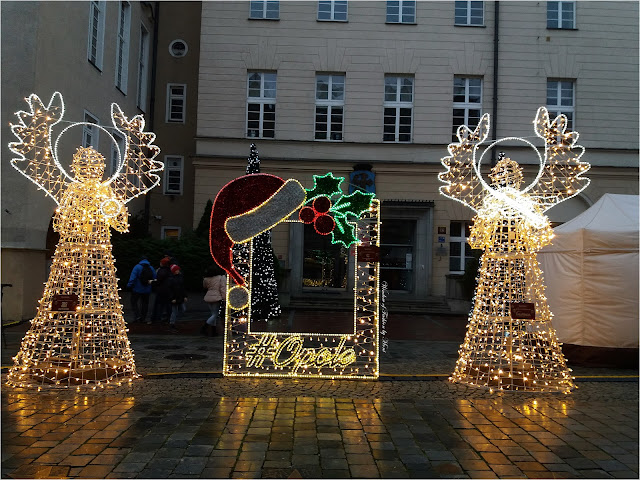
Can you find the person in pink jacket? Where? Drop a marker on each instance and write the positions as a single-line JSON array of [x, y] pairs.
[[216, 284]]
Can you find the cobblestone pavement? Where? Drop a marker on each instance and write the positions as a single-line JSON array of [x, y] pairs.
[[183, 420]]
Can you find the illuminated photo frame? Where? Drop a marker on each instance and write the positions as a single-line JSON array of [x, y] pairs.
[[352, 355]]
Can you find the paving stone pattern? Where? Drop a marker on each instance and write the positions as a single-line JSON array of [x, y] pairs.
[[178, 422]]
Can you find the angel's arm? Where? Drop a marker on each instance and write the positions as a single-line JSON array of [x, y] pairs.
[[561, 176], [138, 172], [461, 182], [35, 158]]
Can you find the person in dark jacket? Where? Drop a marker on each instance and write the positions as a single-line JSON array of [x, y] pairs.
[[162, 300], [178, 295], [142, 276]]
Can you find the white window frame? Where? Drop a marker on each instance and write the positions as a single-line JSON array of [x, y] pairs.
[[558, 18], [122, 45], [115, 160], [398, 104], [169, 169], [467, 104], [171, 97], [96, 20], [558, 108], [163, 233], [468, 21], [401, 15], [87, 131], [463, 240], [262, 100], [264, 10], [330, 105], [143, 68], [332, 10]]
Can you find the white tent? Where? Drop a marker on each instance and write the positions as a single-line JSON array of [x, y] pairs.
[[591, 274]]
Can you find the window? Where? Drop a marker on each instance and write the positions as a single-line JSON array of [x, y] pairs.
[[460, 253], [90, 133], [172, 233], [561, 99], [398, 109], [469, 12], [173, 174], [329, 107], [261, 105], [143, 68], [396, 253], [265, 9], [122, 48], [467, 102], [96, 33], [176, 102], [178, 48], [332, 10], [561, 14], [401, 11], [115, 159]]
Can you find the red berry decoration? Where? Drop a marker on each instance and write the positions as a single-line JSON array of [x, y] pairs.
[[324, 224], [322, 204], [307, 215]]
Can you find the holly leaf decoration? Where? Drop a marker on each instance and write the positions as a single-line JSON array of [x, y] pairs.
[[326, 185], [344, 233], [354, 204]]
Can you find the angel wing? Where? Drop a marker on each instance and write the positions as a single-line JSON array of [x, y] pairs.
[[138, 170], [561, 177], [462, 183], [36, 160]]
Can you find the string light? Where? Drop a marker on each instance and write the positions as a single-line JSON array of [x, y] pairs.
[[502, 351], [78, 337], [312, 355]]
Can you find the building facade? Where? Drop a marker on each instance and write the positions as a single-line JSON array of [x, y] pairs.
[[374, 92], [94, 53]]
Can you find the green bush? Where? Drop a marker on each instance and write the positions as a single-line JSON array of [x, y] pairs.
[[191, 251]]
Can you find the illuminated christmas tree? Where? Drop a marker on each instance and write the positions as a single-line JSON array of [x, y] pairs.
[[78, 336], [265, 304], [510, 342]]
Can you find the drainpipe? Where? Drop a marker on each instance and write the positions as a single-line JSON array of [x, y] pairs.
[[152, 105], [494, 120]]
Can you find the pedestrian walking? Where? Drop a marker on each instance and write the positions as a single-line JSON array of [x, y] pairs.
[[215, 283], [178, 296], [162, 297], [142, 276]]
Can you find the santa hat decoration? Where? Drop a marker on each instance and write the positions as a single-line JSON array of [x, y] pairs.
[[244, 208]]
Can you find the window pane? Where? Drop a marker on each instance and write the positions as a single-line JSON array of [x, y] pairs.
[[337, 91], [455, 249], [408, 11], [390, 89], [454, 264], [273, 9], [456, 229], [474, 118], [461, 12], [406, 90], [322, 87], [552, 93], [324, 10], [256, 9], [393, 11], [269, 85], [552, 14]]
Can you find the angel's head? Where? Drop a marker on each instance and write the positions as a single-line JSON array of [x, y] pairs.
[[87, 164], [506, 173]]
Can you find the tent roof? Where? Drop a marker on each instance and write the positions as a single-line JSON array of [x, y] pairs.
[[612, 213]]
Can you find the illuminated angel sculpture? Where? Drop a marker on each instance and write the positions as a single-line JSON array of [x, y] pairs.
[[510, 343], [78, 336]]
